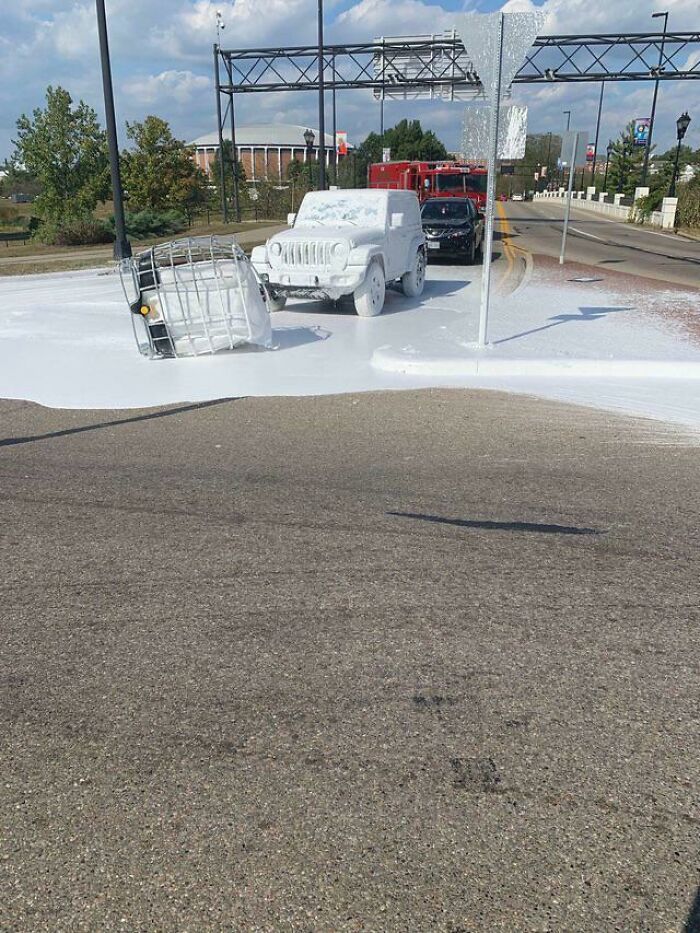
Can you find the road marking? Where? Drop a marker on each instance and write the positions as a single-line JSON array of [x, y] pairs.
[[591, 236], [505, 233]]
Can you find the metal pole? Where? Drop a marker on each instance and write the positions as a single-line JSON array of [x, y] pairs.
[[568, 119], [567, 213], [335, 132], [122, 247], [647, 150], [672, 189], [222, 171], [491, 190], [321, 104], [234, 150], [381, 100], [597, 131]]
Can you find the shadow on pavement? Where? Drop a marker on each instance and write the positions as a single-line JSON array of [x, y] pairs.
[[182, 409], [692, 924], [586, 314], [536, 527]]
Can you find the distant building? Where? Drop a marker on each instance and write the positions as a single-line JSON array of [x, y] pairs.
[[265, 151]]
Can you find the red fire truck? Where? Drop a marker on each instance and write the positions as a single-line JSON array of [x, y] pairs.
[[432, 179]]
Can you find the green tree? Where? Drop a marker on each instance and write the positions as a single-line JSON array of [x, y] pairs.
[[159, 172], [407, 140], [215, 178], [626, 161], [64, 150], [18, 180]]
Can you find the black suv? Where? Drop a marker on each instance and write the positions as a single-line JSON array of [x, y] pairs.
[[453, 228]]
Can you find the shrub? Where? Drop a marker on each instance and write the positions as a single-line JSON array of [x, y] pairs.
[[149, 223], [689, 204], [85, 232]]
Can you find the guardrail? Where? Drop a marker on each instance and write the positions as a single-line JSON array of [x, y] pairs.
[[621, 208]]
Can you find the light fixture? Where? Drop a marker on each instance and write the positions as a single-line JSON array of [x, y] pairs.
[[682, 124]]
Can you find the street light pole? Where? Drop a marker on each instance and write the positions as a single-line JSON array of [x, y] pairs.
[[122, 247], [597, 131], [321, 104], [659, 68], [607, 165], [682, 124], [567, 114]]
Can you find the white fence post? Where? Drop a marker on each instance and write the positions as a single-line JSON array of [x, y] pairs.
[[669, 207]]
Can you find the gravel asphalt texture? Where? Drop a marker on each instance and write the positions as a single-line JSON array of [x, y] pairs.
[[406, 662]]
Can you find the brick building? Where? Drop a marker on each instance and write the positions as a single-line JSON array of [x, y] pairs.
[[265, 151]]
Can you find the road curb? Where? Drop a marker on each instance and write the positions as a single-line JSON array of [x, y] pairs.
[[413, 362]]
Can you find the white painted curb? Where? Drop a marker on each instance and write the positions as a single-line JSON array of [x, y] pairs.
[[419, 364]]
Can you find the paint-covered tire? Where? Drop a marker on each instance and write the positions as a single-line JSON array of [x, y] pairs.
[[275, 302], [412, 282], [369, 297]]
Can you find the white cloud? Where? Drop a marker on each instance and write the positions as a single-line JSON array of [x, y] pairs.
[[162, 60], [183, 87]]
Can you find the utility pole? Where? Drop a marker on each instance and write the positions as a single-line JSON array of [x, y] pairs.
[[222, 168], [647, 151], [122, 247], [321, 104], [597, 131]]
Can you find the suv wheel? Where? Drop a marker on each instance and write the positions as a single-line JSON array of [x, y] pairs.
[[412, 282], [369, 297]]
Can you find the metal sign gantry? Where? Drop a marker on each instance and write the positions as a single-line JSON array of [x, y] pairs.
[[440, 66]]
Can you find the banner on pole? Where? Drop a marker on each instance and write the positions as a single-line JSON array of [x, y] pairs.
[[590, 152], [341, 142], [386, 155], [641, 131]]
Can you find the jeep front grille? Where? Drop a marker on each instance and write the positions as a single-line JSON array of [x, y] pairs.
[[311, 253]]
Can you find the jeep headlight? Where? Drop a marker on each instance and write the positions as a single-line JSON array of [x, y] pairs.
[[339, 255], [275, 250]]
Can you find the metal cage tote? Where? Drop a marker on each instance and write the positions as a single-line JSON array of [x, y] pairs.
[[193, 297]]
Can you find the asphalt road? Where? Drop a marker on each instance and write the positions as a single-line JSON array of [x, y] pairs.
[[404, 662], [537, 227]]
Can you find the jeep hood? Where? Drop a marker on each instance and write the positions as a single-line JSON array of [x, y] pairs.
[[354, 236]]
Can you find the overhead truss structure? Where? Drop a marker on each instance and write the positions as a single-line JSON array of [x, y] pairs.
[[439, 66]]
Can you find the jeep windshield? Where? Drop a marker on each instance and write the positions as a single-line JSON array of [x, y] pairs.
[[330, 211]]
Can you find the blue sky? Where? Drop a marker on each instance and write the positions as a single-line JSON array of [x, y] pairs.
[[162, 60]]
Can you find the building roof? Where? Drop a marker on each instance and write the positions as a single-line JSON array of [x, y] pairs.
[[265, 134]]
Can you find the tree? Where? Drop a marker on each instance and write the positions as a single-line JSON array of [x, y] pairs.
[[64, 150], [17, 180], [159, 172], [407, 140], [215, 177], [626, 161]]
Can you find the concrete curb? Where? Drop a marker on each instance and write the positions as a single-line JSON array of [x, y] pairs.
[[412, 362]]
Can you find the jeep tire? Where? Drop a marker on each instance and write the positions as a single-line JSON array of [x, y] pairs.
[[412, 282], [369, 297]]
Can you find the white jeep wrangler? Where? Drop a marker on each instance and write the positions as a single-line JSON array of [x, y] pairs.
[[348, 242]]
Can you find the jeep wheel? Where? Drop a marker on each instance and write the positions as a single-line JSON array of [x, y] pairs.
[[275, 302], [412, 282], [369, 297]]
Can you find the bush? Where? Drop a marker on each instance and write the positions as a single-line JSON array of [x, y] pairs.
[[689, 204], [149, 223], [85, 232]]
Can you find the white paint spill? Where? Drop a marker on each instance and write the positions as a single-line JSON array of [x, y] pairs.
[[66, 341]]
